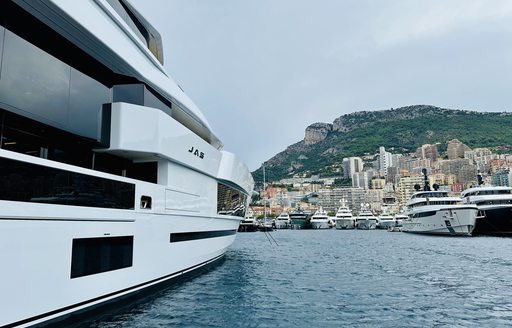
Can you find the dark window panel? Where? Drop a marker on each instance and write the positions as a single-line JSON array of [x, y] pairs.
[[143, 171], [26, 182], [186, 236], [34, 81], [96, 255], [2, 33], [86, 98]]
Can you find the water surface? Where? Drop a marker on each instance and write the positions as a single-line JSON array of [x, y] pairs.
[[336, 278]]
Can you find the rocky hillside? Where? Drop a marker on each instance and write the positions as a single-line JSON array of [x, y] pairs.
[[404, 129]]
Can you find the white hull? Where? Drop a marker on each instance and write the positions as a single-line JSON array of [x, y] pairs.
[[455, 221], [345, 223], [32, 284], [320, 224]]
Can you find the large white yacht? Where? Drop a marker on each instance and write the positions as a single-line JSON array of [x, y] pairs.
[[366, 220], [435, 212], [320, 220], [111, 180], [495, 205], [386, 221], [283, 220], [344, 218]]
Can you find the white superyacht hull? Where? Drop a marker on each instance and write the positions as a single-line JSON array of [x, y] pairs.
[[52, 255], [457, 221]]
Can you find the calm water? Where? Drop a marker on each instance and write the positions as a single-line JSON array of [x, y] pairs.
[[341, 278]]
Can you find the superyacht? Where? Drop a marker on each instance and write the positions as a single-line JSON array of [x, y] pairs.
[[435, 212], [495, 205], [344, 218], [300, 219], [283, 220], [366, 220], [320, 220], [112, 182]]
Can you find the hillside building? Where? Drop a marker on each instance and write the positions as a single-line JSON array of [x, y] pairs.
[[456, 149], [428, 151], [352, 165], [406, 187]]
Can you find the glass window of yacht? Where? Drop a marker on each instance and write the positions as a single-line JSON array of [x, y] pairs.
[[27, 182], [95, 255], [2, 32], [230, 201]]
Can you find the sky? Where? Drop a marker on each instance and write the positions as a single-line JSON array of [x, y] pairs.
[[261, 71]]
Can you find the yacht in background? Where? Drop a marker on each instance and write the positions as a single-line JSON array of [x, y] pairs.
[[344, 218], [495, 206], [366, 220], [112, 183], [300, 219], [386, 221], [435, 212], [283, 220], [249, 223], [320, 220], [399, 219]]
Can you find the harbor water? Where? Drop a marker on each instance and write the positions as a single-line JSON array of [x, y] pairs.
[[336, 278]]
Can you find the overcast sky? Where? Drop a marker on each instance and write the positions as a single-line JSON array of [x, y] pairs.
[[263, 70]]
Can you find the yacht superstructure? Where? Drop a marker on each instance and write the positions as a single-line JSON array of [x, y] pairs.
[[112, 181]]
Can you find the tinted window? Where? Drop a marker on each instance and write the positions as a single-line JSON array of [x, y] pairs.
[[1, 47], [25, 182], [96, 255], [34, 81], [230, 201], [86, 98]]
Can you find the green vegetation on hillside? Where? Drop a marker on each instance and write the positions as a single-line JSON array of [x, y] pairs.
[[402, 130]]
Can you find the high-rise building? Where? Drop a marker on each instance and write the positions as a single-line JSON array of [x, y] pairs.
[[352, 165], [385, 161], [362, 179]]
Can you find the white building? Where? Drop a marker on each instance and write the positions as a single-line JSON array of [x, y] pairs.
[[352, 165]]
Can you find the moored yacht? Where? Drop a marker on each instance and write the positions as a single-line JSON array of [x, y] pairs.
[[283, 220], [112, 183], [399, 219], [435, 212], [344, 218], [320, 220], [366, 220], [300, 219], [495, 205], [385, 221]]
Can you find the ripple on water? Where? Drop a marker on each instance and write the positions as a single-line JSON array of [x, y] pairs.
[[340, 278]]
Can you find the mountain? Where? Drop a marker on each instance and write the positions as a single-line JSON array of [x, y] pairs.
[[400, 130]]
